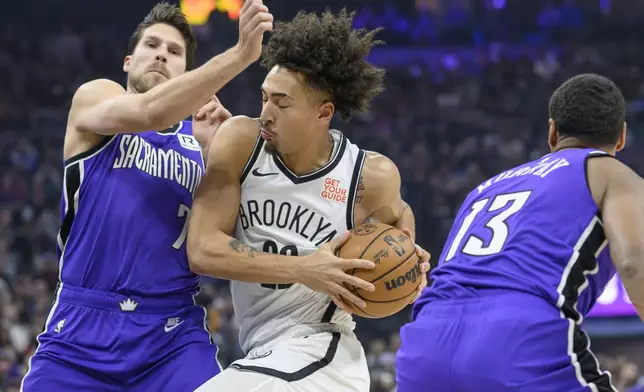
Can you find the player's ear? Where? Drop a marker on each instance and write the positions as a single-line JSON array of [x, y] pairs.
[[621, 142], [126, 63], [326, 111], [552, 134]]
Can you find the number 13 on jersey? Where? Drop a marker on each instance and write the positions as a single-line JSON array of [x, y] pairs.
[[474, 246]]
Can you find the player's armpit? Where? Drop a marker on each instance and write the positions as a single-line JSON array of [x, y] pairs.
[[381, 193], [211, 249], [619, 194]]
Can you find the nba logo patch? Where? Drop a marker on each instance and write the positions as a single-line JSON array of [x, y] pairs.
[[189, 142]]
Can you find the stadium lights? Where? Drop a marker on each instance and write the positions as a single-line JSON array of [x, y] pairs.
[[198, 11]]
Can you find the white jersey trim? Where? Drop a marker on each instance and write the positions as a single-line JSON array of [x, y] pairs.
[[92, 152], [173, 130], [573, 282], [321, 172], [353, 189], [72, 183], [259, 144]]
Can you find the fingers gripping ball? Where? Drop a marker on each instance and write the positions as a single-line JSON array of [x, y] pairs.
[[396, 275]]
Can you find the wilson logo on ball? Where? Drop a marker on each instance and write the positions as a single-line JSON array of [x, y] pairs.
[[410, 276]]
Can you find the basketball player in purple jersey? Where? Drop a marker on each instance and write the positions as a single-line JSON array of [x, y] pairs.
[[527, 257], [124, 318]]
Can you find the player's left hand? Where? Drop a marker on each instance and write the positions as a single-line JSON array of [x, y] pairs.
[[207, 120], [423, 259]]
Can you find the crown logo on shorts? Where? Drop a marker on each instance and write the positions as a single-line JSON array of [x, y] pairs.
[[128, 305]]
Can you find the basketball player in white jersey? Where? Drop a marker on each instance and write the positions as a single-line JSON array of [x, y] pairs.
[[285, 185]]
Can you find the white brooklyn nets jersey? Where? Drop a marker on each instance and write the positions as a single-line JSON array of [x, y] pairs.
[[287, 214]]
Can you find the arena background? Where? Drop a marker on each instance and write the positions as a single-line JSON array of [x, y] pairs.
[[467, 90]]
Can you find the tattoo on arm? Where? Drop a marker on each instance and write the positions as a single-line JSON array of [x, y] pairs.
[[359, 190], [240, 247]]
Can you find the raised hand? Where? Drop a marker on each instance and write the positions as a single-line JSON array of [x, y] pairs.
[[254, 21], [207, 120]]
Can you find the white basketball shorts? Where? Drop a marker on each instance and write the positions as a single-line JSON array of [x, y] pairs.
[[326, 361]]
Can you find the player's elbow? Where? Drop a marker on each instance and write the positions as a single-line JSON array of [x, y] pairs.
[[196, 254], [629, 264], [631, 273], [203, 255]]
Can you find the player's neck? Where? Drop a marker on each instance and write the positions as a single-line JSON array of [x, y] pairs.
[[576, 143], [131, 87], [316, 154]]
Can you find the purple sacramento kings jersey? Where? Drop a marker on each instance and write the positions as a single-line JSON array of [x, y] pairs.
[[534, 229], [124, 207], [125, 318]]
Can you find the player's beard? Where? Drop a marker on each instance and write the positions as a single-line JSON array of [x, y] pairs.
[[140, 84], [270, 148]]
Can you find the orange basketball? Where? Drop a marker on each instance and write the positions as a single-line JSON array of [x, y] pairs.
[[397, 273]]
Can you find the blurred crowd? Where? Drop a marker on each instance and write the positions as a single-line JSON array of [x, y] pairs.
[[450, 117]]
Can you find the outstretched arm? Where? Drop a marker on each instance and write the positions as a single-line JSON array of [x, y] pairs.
[[102, 106], [619, 194]]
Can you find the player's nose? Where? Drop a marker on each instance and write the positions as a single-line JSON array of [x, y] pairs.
[[266, 118], [265, 124], [162, 58]]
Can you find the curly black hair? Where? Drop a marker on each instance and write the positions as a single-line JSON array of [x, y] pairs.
[[331, 56], [589, 107]]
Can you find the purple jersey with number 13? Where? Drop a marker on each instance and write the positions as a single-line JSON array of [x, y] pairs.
[[533, 229], [525, 261]]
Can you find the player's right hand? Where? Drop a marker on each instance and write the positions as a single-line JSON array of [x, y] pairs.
[[207, 120], [324, 272], [254, 21]]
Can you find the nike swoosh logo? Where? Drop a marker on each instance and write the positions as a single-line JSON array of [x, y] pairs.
[[168, 329], [260, 356], [256, 173]]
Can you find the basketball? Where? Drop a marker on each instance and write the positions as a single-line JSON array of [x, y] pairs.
[[396, 275]]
